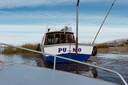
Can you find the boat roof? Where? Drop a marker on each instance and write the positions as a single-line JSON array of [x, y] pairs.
[[57, 32], [18, 74]]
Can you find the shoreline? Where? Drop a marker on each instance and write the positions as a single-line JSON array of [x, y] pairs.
[[101, 48], [114, 50]]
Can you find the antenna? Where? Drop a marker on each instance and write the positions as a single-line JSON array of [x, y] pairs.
[[77, 23], [103, 22]]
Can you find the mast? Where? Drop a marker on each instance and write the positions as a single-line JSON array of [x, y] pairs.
[[77, 23]]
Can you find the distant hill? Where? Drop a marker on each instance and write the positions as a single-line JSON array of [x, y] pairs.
[[116, 43], [120, 45]]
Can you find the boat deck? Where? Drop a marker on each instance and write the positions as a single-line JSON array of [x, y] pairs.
[[18, 74]]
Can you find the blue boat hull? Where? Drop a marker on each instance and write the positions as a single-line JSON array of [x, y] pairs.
[[79, 57]]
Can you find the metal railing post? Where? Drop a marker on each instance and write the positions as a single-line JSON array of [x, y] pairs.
[[54, 65]]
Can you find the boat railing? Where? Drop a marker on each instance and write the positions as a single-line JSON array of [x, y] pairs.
[[91, 65], [75, 61]]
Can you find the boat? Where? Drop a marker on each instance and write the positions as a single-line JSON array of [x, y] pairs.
[[63, 43]]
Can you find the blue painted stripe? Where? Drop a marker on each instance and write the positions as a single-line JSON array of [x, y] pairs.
[[79, 57]]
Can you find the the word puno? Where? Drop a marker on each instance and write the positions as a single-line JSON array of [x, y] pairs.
[[64, 50]]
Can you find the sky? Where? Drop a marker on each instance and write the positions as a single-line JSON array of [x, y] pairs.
[[26, 21]]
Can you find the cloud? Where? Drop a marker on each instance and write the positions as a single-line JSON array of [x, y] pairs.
[[32, 20], [19, 3], [22, 3], [34, 33], [59, 18]]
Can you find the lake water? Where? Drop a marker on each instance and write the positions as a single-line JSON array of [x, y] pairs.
[[117, 62]]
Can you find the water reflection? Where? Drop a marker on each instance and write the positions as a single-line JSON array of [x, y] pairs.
[[18, 59]]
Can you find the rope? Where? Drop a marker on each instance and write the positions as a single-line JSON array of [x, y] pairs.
[[103, 22]]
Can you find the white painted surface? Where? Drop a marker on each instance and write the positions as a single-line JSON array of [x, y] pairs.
[[60, 49], [28, 75]]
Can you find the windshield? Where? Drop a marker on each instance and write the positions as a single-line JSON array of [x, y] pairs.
[[59, 38]]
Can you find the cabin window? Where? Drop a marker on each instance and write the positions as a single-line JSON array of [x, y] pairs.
[[70, 38], [63, 38], [50, 39], [57, 39]]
